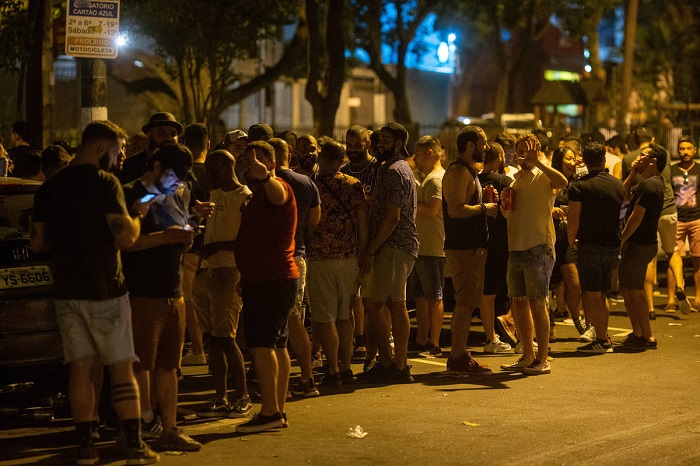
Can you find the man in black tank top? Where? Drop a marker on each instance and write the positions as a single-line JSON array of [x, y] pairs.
[[466, 234]]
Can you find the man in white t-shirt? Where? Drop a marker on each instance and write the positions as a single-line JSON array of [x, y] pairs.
[[216, 299], [428, 276]]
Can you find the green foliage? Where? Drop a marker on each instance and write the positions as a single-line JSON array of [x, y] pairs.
[[14, 37], [200, 40]]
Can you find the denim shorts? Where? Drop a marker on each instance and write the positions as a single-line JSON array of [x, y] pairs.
[[428, 277], [595, 266], [529, 272]]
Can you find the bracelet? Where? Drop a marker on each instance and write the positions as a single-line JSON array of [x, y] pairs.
[[483, 208], [266, 179]]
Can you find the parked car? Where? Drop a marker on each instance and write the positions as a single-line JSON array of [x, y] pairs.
[[29, 335]]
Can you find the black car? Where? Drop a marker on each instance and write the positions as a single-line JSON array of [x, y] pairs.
[[29, 336]]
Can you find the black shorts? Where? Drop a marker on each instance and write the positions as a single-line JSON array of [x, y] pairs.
[[595, 267], [266, 307], [495, 271]]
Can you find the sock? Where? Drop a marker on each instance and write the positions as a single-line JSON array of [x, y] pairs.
[[132, 432], [84, 431], [147, 416]]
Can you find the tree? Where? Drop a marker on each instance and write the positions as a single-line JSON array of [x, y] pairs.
[[372, 30], [581, 18], [507, 29], [325, 59], [200, 42]]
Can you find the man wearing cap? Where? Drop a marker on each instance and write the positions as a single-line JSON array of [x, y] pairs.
[[235, 142], [153, 271], [260, 132], [390, 255], [162, 128]]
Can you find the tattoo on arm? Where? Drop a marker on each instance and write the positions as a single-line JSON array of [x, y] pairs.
[[116, 226]]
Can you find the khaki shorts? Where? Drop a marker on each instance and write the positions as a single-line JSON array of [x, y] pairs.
[[216, 301], [96, 328], [331, 285], [190, 263], [386, 280], [159, 331], [691, 231], [667, 232], [467, 270]]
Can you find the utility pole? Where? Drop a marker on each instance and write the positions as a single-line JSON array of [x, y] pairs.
[[93, 90]]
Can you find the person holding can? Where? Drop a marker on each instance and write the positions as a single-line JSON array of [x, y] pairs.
[[531, 251]]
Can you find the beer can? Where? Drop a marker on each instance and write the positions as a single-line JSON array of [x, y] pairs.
[[489, 194], [508, 199]]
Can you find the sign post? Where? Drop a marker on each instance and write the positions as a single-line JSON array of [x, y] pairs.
[[92, 29]]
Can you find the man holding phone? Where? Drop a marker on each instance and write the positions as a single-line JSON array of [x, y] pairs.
[[153, 270]]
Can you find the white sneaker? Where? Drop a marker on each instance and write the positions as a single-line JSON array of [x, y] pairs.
[[516, 366], [496, 346], [519, 347], [191, 359], [589, 335]]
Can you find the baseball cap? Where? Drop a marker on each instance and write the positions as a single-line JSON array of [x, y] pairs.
[[234, 135], [260, 132], [400, 134]]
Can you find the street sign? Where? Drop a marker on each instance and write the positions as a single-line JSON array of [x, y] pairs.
[[92, 28]]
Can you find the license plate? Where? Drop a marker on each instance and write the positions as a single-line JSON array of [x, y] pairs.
[[21, 277]]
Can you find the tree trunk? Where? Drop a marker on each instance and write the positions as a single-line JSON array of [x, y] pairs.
[[628, 60], [34, 76]]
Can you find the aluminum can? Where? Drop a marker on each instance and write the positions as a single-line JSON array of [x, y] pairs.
[[508, 199], [489, 195]]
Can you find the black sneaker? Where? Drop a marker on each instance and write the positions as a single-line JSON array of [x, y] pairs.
[[632, 341], [141, 455], [598, 347], [683, 302], [347, 377], [431, 351], [373, 375], [217, 408], [261, 423], [651, 344], [86, 455], [331, 380], [152, 429], [307, 389], [415, 347], [395, 375]]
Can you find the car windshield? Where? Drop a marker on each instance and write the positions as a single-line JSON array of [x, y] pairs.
[[16, 202]]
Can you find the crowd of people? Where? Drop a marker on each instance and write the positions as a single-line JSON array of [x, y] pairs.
[[242, 245]]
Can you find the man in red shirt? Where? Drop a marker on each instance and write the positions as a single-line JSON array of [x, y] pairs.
[[264, 253]]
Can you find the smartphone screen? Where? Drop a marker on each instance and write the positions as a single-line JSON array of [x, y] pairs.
[[147, 197]]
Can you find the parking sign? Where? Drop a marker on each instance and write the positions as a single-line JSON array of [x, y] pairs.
[[92, 28]]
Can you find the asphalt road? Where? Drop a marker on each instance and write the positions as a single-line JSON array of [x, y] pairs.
[[619, 408]]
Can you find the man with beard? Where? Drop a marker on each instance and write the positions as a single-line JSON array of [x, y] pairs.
[[390, 255], [531, 251], [308, 215], [153, 270], [162, 128], [306, 150], [466, 235], [82, 220], [363, 166]]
